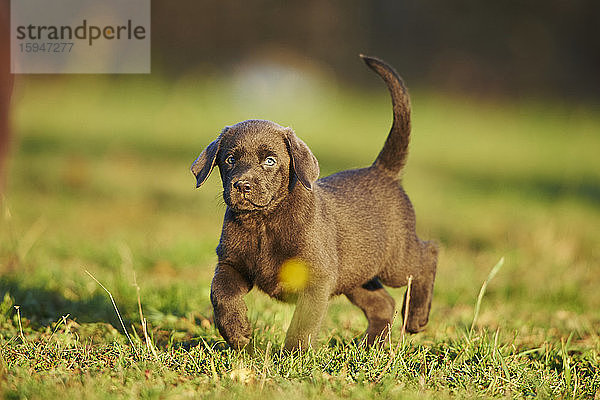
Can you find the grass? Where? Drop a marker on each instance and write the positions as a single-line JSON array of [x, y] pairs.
[[99, 181]]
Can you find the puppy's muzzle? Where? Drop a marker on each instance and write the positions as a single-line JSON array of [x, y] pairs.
[[243, 186]]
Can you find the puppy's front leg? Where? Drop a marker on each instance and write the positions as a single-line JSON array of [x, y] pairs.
[[306, 321], [227, 296]]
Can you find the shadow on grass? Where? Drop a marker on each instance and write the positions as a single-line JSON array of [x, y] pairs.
[[42, 305]]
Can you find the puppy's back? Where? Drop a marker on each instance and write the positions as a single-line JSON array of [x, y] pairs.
[[372, 218]]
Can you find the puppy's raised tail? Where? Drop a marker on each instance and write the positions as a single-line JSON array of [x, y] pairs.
[[393, 155]]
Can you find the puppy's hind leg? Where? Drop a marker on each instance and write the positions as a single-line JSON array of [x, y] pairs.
[[377, 305], [421, 291]]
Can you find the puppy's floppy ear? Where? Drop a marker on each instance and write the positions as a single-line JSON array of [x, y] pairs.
[[204, 164], [304, 163]]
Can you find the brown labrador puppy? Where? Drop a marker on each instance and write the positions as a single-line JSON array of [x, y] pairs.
[[354, 231]]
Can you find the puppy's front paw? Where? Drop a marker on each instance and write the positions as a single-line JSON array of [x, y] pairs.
[[239, 343], [236, 331]]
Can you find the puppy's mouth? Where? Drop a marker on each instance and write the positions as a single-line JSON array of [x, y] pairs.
[[243, 202], [257, 205]]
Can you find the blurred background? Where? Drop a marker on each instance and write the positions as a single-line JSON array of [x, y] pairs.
[[509, 47], [504, 157]]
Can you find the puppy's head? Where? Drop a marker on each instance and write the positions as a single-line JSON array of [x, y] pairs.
[[260, 162]]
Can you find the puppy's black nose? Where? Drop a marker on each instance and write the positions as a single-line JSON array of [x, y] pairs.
[[242, 186]]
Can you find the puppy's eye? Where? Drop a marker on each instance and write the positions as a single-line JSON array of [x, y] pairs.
[[270, 161], [230, 160]]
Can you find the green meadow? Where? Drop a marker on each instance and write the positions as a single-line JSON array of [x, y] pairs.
[[99, 181]]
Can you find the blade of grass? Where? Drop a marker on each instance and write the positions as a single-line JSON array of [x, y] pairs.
[[21, 326], [143, 321], [62, 320], [116, 310], [567, 373], [491, 276], [394, 351], [263, 378], [405, 321]]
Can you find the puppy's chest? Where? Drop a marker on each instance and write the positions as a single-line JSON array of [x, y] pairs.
[[259, 255]]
